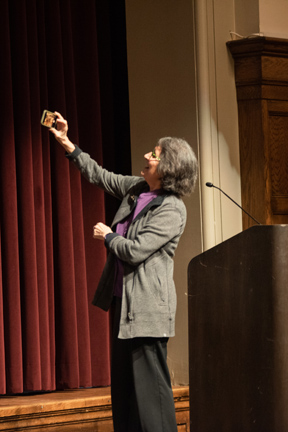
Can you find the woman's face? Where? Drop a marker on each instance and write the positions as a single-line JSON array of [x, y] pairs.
[[149, 171]]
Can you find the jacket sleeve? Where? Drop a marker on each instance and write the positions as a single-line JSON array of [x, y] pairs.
[[114, 184], [166, 223]]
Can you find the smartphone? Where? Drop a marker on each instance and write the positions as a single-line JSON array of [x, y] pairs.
[[48, 119]]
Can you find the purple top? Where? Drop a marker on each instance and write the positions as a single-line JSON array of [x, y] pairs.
[[122, 228]]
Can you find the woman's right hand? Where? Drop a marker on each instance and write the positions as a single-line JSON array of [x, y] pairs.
[[60, 133]]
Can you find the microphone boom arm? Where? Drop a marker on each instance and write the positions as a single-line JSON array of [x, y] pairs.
[[212, 185]]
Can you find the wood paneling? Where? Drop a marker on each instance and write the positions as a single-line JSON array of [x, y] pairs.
[[73, 410], [238, 333], [261, 77]]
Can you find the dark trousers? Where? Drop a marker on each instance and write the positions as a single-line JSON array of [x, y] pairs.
[[142, 398]]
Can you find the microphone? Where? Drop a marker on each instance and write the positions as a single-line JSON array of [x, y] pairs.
[[209, 184]]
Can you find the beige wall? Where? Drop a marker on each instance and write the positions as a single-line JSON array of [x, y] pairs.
[[217, 121], [163, 103], [246, 17], [268, 17], [273, 18]]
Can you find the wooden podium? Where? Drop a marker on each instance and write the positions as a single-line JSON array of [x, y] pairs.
[[238, 333]]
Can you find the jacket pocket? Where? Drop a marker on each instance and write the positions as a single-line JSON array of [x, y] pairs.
[[157, 282], [161, 291]]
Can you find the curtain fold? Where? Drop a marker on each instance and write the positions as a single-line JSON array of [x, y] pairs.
[[50, 335]]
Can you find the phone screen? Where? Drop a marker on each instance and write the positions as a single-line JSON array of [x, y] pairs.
[[49, 119]]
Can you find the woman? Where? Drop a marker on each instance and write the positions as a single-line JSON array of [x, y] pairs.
[[138, 276]]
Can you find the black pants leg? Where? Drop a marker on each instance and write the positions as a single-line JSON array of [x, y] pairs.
[[142, 398]]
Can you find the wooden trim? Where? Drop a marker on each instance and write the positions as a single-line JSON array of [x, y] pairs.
[[71, 410], [261, 77]]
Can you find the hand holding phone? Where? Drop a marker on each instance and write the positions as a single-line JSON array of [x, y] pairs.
[[58, 126], [48, 119]]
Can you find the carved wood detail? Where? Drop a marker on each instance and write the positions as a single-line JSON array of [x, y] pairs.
[[261, 77]]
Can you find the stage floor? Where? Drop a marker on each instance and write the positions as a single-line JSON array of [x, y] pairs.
[[84, 410]]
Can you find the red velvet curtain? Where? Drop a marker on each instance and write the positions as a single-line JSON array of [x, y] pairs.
[[51, 337]]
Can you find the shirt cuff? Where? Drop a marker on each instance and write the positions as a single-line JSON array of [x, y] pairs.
[[110, 237], [76, 152]]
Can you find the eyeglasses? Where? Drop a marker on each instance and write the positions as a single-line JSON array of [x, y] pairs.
[[154, 156]]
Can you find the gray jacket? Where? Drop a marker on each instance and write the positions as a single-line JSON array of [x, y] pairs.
[[149, 296]]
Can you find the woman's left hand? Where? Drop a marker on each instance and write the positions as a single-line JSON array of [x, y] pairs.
[[100, 230]]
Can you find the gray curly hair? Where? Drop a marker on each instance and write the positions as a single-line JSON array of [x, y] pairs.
[[178, 166]]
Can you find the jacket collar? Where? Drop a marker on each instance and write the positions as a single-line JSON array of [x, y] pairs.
[[154, 203], [132, 201]]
